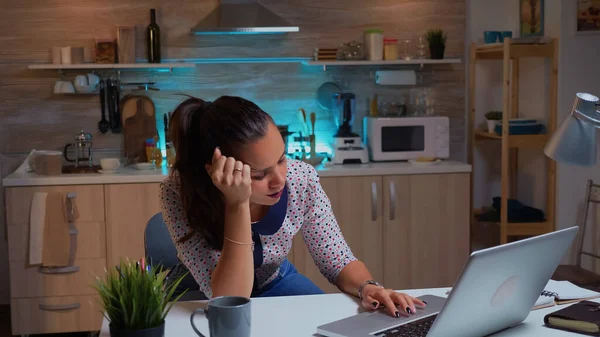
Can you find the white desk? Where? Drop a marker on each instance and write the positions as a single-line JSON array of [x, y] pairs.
[[299, 316]]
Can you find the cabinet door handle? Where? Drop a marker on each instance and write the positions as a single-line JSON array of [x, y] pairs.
[[373, 201], [58, 270], [60, 307], [392, 201]]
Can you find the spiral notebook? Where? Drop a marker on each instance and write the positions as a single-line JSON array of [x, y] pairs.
[[563, 292]]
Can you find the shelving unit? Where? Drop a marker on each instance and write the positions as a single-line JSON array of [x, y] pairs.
[[111, 66], [421, 62], [510, 53]]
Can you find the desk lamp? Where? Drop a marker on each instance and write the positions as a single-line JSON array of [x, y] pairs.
[[574, 142]]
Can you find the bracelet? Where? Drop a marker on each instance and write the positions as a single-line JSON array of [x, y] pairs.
[[239, 243], [360, 289]]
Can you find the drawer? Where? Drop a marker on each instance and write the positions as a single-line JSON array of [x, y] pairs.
[[91, 241], [55, 314], [89, 201], [28, 281]]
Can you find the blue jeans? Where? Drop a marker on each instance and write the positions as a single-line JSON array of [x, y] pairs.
[[289, 283]]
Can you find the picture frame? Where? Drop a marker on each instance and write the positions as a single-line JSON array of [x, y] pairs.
[[587, 20], [531, 18]]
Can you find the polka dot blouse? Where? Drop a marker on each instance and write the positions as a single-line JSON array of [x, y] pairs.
[[308, 211]]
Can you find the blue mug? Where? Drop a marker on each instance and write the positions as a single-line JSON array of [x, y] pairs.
[[505, 34], [490, 36]]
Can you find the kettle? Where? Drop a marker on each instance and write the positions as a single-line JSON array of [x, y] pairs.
[[82, 142]]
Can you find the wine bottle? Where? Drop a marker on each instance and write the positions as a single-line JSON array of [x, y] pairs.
[[153, 39]]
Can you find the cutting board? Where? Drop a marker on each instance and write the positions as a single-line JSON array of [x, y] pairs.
[[137, 128], [128, 106]]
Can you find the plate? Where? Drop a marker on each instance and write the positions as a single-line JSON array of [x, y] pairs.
[[415, 162], [107, 171], [144, 166]]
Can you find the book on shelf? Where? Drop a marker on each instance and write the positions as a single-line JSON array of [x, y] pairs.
[[563, 292]]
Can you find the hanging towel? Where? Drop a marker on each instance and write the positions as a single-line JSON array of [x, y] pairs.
[[56, 246], [37, 216]]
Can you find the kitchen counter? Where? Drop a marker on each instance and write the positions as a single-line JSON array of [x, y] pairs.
[[131, 175]]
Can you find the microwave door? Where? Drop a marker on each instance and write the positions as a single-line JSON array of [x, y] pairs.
[[403, 141]]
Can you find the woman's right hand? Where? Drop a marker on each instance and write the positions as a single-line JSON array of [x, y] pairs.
[[231, 177]]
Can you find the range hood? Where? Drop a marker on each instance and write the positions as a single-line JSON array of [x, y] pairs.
[[242, 17]]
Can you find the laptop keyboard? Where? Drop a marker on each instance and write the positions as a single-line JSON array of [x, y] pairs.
[[417, 328]]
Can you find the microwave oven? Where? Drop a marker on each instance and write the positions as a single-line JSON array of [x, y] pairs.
[[405, 138]]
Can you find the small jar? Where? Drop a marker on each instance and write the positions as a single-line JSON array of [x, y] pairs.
[[374, 44], [149, 149], [170, 154], [390, 49]]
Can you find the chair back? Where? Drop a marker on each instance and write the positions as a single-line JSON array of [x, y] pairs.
[[589, 199], [158, 245]]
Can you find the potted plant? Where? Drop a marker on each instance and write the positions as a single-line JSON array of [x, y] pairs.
[[492, 118], [136, 299], [436, 38]]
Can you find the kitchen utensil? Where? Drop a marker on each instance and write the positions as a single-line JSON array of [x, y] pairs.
[[302, 118], [103, 124], [116, 95], [325, 92], [109, 102], [285, 133], [313, 119], [139, 128], [227, 316], [82, 142], [65, 55], [86, 83], [348, 147], [64, 87], [128, 106], [110, 164]]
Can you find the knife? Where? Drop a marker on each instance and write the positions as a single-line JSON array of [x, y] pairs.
[[117, 112], [109, 103]]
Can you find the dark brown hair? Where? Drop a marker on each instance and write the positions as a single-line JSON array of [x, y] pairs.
[[198, 127]]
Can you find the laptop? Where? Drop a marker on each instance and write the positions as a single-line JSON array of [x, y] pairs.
[[496, 290]]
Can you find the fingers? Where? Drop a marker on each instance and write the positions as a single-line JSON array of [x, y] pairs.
[[246, 173], [216, 154], [370, 303], [238, 172], [404, 302], [383, 297], [228, 171], [217, 167]]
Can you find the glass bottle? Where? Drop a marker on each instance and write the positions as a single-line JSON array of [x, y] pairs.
[[153, 38]]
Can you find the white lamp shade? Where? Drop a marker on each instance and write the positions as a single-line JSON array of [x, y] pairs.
[[574, 142]]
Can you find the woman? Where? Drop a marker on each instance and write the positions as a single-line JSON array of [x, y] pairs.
[[233, 203]]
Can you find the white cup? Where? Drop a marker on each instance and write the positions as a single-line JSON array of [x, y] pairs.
[[64, 87], [110, 164], [65, 55]]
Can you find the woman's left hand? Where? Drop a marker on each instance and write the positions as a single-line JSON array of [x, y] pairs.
[[395, 303]]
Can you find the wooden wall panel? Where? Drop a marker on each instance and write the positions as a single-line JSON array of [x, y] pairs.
[[32, 117]]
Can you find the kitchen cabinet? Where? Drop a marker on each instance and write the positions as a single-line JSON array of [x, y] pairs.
[[44, 302], [426, 229], [355, 203], [412, 231], [128, 209]]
